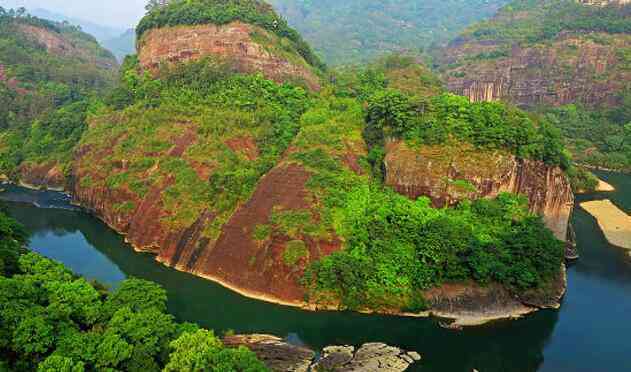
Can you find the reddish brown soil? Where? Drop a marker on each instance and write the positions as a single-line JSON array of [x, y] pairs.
[[244, 145]]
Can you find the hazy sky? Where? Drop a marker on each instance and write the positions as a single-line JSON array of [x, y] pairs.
[[119, 13]]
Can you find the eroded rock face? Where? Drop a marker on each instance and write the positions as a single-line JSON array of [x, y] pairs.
[[573, 68], [279, 355], [438, 172], [234, 42], [47, 175]]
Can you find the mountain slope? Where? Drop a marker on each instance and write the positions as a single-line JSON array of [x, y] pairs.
[[568, 59], [207, 159], [48, 74], [353, 31]]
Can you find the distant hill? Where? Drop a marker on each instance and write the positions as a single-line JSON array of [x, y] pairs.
[[352, 31], [100, 32], [122, 45], [49, 75]]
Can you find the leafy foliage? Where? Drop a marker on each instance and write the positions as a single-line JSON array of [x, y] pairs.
[[547, 18], [396, 248], [52, 320], [600, 138], [447, 117]]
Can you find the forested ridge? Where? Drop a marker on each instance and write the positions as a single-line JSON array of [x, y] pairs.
[[45, 95], [355, 31]]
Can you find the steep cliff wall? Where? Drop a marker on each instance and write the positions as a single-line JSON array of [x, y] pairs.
[[249, 48], [448, 175], [589, 69], [258, 244], [544, 52]]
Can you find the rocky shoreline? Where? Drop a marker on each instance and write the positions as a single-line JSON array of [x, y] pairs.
[[279, 355], [462, 305]]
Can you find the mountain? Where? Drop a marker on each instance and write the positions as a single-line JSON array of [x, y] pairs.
[[227, 151], [122, 45], [352, 31], [569, 59], [100, 32], [49, 72]]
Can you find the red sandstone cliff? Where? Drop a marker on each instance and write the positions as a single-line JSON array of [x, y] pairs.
[[571, 69], [249, 48], [438, 172]]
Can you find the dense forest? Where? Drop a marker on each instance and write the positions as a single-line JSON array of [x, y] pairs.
[[53, 320], [534, 21], [353, 31], [45, 95]]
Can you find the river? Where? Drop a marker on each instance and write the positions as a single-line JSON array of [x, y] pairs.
[[591, 332]]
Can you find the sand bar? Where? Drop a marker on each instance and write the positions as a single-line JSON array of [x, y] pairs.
[[615, 223], [604, 186]]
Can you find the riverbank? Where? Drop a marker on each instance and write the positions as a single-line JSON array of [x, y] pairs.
[[614, 223], [471, 306], [604, 186]]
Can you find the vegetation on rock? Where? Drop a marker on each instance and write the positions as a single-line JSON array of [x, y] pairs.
[[221, 12], [598, 138]]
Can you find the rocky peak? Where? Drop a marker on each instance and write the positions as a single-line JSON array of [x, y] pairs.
[[239, 43], [247, 34]]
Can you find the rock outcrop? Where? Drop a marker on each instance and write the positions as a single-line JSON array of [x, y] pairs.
[[246, 47], [572, 69], [447, 175], [47, 175], [278, 355]]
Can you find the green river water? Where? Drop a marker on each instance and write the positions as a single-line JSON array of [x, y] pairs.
[[591, 332]]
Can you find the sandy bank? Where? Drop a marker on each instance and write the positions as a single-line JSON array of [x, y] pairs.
[[615, 223], [604, 186]]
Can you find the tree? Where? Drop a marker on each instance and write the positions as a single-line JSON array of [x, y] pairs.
[[202, 351], [57, 363], [138, 295]]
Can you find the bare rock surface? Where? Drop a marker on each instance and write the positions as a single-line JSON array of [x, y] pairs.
[[280, 355]]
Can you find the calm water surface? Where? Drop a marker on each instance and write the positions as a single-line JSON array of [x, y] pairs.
[[591, 332]]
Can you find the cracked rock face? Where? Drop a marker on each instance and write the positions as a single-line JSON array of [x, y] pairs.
[[279, 355]]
